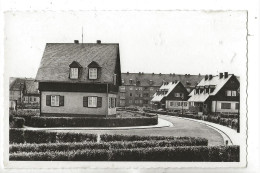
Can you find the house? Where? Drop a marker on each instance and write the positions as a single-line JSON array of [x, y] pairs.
[[216, 94], [171, 96], [79, 79], [31, 95], [23, 93], [138, 88]]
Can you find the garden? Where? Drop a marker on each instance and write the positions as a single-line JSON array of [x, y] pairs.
[[28, 145]]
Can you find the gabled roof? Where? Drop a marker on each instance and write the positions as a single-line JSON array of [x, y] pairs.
[[31, 87], [157, 79], [168, 88], [93, 64], [17, 84], [75, 64], [57, 57], [215, 81]]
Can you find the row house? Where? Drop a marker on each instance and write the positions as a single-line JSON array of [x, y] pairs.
[[170, 96], [215, 94], [79, 79], [138, 89]]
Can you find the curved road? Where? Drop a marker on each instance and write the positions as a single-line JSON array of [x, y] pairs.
[[181, 127]]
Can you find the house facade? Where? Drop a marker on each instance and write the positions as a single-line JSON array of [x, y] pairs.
[[79, 79], [23, 93], [170, 96], [138, 89], [216, 94]]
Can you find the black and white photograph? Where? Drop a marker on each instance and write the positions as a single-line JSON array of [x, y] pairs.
[[119, 87]]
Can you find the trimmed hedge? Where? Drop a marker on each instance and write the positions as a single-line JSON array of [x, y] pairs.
[[115, 137], [92, 122], [40, 136], [18, 122], [198, 153], [107, 145]]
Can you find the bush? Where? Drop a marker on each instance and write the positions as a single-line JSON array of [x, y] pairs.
[[197, 153], [40, 136], [108, 138], [92, 122], [18, 122], [44, 147], [16, 136]]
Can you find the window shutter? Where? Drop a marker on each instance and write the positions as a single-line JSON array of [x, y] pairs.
[[115, 102], [61, 101], [85, 101], [48, 100], [99, 102]]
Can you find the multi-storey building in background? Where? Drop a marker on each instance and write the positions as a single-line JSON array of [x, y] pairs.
[[138, 88]]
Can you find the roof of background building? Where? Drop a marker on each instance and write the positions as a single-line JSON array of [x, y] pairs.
[[58, 56], [215, 81], [157, 79], [31, 87], [157, 97], [16, 84]]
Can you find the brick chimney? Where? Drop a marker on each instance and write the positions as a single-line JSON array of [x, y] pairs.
[[98, 41], [226, 75], [210, 76], [206, 77], [76, 41], [220, 75]]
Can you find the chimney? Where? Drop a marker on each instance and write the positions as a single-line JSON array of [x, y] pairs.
[[226, 74], [210, 76], [98, 41], [127, 72], [220, 75], [206, 77], [76, 41], [176, 81]]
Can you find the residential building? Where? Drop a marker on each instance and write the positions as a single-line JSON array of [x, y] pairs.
[[170, 96], [23, 93], [79, 79], [142, 86], [215, 94]]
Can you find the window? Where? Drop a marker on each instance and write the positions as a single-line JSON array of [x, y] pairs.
[[151, 89], [123, 81], [178, 94], [184, 103], [55, 100], [130, 88], [228, 93], [234, 93], [31, 99], [92, 102], [74, 73], [115, 81], [237, 106], [171, 103], [225, 105], [92, 73], [136, 101], [140, 88], [122, 88], [112, 102], [130, 94]]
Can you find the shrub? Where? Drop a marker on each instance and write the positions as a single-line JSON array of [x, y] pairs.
[[92, 122], [16, 135], [44, 147], [75, 137], [39, 136], [18, 122], [115, 137], [198, 153], [195, 154]]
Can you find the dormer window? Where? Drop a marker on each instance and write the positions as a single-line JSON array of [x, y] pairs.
[[94, 70], [74, 70], [92, 73], [74, 73]]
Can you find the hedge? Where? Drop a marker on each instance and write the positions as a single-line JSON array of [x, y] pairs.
[[116, 137], [197, 153], [106, 145], [92, 122], [40, 136]]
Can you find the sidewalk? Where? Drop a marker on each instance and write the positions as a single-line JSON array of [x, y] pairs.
[[227, 133], [161, 123]]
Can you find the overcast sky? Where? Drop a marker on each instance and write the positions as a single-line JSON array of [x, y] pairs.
[[181, 42]]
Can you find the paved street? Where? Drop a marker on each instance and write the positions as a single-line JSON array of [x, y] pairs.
[[181, 127]]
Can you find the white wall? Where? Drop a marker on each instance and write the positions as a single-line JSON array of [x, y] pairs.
[[233, 106], [73, 103]]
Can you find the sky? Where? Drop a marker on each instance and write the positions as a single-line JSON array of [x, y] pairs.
[[180, 42]]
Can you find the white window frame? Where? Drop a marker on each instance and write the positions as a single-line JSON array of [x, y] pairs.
[[55, 100], [177, 94], [226, 103], [234, 93], [229, 93], [92, 101], [92, 73], [74, 73], [131, 88]]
